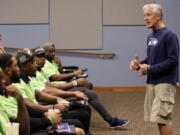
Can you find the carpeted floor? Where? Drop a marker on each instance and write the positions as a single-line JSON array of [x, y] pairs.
[[129, 105]]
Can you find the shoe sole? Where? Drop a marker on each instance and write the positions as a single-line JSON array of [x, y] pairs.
[[119, 126]]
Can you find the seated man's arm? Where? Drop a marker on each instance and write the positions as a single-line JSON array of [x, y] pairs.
[[61, 107], [44, 97], [61, 77], [65, 94], [22, 117], [37, 106], [65, 86]]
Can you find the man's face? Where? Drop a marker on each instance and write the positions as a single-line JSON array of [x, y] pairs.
[[14, 70], [151, 19], [40, 61], [52, 54], [30, 68]]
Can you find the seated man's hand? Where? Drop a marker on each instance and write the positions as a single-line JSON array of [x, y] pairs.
[[80, 95], [13, 92], [55, 116], [61, 99], [62, 107], [82, 81], [79, 72]]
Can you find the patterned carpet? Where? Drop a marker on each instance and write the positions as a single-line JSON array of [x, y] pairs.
[[129, 105]]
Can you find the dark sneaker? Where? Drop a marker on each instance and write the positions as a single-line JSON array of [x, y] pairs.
[[116, 123]]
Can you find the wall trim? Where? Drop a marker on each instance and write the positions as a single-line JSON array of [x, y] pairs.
[[123, 89]]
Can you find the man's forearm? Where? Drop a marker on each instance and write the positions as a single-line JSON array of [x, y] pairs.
[[38, 106], [63, 86], [23, 117], [163, 66], [61, 77], [44, 97], [59, 92]]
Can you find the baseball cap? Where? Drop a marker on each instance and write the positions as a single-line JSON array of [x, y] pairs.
[[24, 56]]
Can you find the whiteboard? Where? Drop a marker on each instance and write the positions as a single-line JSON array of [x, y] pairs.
[[76, 24], [123, 12], [24, 11]]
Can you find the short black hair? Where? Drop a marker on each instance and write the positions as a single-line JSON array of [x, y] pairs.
[[5, 60]]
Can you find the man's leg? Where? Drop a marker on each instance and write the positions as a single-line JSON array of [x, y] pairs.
[[79, 114], [89, 86], [99, 107], [95, 102], [148, 102], [39, 124], [163, 106], [165, 129]]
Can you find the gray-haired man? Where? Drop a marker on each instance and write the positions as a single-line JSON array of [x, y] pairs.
[[162, 69]]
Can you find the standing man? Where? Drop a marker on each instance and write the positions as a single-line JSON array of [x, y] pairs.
[[162, 69]]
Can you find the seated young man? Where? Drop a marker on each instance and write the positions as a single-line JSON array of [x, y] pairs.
[[51, 68], [38, 82], [51, 71], [32, 96], [39, 119], [22, 115]]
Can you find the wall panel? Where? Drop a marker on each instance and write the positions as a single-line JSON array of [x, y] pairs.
[[24, 11], [123, 12], [76, 24]]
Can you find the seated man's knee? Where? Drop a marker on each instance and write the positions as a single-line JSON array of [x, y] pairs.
[[91, 94], [89, 86]]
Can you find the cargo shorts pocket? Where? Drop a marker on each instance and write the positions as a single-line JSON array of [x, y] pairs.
[[166, 106]]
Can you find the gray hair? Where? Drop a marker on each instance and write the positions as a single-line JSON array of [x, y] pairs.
[[156, 8]]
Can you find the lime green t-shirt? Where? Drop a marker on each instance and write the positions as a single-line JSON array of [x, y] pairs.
[[10, 105], [50, 69], [40, 76], [26, 90], [38, 82], [3, 119]]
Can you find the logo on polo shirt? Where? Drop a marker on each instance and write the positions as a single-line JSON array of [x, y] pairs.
[[152, 41]]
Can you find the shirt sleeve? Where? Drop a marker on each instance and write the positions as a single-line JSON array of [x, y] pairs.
[[172, 49], [48, 71], [144, 61], [20, 87], [36, 84]]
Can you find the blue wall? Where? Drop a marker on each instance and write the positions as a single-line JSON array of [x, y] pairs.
[[125, 41]]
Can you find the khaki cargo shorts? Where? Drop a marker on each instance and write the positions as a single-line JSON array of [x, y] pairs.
[[159, 103]]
